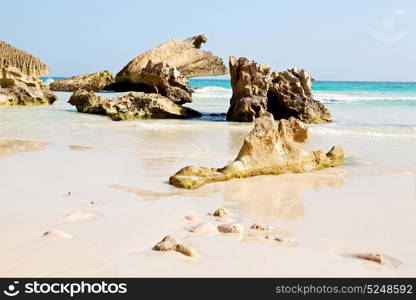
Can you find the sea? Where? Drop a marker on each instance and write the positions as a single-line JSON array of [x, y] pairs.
[[359, 108]]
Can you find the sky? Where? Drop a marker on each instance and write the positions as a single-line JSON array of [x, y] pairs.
[[333, 40]]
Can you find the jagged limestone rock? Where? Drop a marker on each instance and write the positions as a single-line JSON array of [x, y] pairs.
[[257, 90], [185, 56], [93, 82], [269, 148], [21, 60], [131, 106], [17, 88], [19, 82]]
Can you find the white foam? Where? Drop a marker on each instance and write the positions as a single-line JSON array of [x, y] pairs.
[[213, 92]]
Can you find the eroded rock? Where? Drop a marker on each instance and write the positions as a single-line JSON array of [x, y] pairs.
[[169, 243], [17, 88], [257, 90], [131, 106], [269, 148], [186, 56], [91, 82], [19, 78]]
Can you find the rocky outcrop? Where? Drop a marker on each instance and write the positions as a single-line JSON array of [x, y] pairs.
[[186, 56], [17, 88], [19, 82], [21, 60], [270, 148], [165, 80], [257, 90], [131, 106], [92, 82]]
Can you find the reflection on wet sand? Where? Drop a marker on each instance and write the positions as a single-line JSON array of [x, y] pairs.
[[267, 198], [9, 147]]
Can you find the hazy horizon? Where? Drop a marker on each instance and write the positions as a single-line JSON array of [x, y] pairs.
[[338, 41]]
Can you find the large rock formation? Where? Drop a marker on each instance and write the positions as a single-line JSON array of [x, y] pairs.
[[185, 56], [270, 148], [257, 90], [164, 69], [92, 82], [19, 82], [131, 106]]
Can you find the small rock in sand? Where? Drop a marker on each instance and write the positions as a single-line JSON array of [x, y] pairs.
[[192, 218], [261, 227], [58, 234], [203, 228], [186, 250], [79, 217], [230, 228], [221, 213], [374, 257], [169, 243]]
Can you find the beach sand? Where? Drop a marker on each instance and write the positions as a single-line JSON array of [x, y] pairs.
[[105, 184]]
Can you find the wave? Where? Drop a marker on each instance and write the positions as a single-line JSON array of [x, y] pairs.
[[375, 133], [361, 97], [212, 92]]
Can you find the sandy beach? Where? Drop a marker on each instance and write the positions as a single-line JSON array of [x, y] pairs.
[[105, 184]]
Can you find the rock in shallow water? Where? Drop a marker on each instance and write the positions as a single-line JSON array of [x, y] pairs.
[[257, 90], [92, 82], [132, 106], [269, 148]]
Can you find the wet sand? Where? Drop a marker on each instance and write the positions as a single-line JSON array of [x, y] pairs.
[[112, 198]]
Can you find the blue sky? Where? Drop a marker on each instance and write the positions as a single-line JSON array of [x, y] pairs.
[[333, 40]]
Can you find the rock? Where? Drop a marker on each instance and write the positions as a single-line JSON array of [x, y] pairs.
[[268, 149], [162, 79], [186, 250], [169, 243], [257, 90], [92, 82], [58, 234], [19, 82], [374, 257], [17, 88], [185, 56], [261, 227], [221, 213], [230, 228], [131, 106], [203, 228], [21, 60]]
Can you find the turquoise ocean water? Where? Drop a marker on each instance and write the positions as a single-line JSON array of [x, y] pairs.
[[369, 109]]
